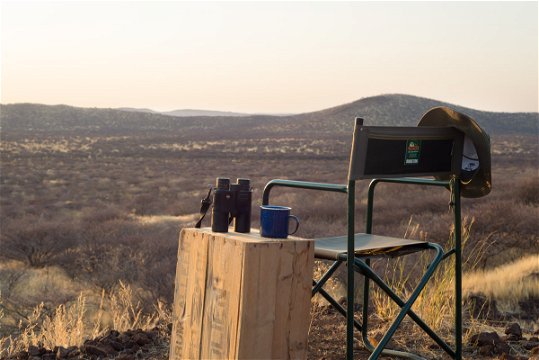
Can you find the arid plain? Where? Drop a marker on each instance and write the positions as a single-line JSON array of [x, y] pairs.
[[92, 201]]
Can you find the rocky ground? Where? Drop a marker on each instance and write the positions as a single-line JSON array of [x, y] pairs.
[[327, 339], [129, 345]]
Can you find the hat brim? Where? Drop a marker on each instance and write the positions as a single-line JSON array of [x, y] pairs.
[[480, 183]]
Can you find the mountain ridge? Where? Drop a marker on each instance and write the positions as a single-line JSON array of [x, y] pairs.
[[386, 110]]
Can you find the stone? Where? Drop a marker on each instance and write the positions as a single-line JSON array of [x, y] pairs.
[[73, 351], [116, 345], [141, 339], [482, 307], [90, 342], [61, 352], [528, 345], [154, 334], [124, 338], [95, 350], [129, 344], [514, 332], [485, 338], [125, 357], [22, 355], [502, 348], [489, 344], [486, 350], [35, 351], [510, 357]]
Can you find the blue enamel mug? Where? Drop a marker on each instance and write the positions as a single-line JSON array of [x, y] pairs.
[[274, 221]]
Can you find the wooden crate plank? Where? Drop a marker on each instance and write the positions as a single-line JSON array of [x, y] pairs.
[[284, 281], [196, 291], [257, 308], [241, 296], [300, 300], [223, 289], [180, 291]]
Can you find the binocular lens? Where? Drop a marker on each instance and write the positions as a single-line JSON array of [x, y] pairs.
[[245, 184], [223, 183]]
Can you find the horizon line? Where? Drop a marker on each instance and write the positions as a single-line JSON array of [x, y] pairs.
[[241, 113]]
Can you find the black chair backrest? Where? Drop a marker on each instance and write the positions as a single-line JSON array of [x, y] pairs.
[[391, 151]]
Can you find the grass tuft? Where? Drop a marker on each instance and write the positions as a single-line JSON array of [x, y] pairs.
[[72, 323]]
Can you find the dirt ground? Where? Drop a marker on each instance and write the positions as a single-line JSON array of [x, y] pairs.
[[327, 341]]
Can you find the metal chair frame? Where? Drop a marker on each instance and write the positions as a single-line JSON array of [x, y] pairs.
[[361, 264]]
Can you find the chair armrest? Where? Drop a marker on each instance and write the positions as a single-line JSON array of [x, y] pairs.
[[410, 180], [301, 185], [405, 180]]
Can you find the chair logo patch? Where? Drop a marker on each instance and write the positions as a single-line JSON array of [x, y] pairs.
[[413, 150]]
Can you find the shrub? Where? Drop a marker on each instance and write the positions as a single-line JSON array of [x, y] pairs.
[[35, 241], [528, 191]]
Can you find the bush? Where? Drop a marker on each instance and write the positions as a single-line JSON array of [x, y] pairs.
[[528, 191], [34, 241]]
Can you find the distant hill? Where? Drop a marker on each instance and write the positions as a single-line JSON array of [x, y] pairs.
[[406, 110], [68, 119], [194, 112], [393, 109], [138, 110], [185, 112]]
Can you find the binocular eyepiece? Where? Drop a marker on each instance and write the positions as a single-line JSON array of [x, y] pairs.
[[232, 202]]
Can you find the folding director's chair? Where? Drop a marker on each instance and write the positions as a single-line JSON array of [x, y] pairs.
[[391, 155]]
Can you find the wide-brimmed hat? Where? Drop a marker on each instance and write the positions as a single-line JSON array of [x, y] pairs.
[[475, 173]]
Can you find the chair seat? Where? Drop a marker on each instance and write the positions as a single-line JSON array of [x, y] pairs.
[[366, 245]]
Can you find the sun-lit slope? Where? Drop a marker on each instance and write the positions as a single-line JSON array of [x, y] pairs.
[[406, 110], [506, 283]]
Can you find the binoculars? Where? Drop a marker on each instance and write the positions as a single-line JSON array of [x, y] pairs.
[[232, 202]]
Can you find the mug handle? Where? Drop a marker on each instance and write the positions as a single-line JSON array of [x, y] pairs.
[[297, 224]]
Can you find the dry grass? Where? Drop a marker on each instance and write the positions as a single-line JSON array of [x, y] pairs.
[[507, 284], [127, 313], [72, 323], [436, 303]]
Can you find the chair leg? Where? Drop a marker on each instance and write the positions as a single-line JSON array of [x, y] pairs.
[[372, 275], [458, 309], [458, 269], [317, 288], [364, 332], [324, 278], [338, 306], [405, 308]]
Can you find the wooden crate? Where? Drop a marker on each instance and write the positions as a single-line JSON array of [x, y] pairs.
[[241, 296]]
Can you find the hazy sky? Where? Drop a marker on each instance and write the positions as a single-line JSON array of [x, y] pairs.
[[277, 57]]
